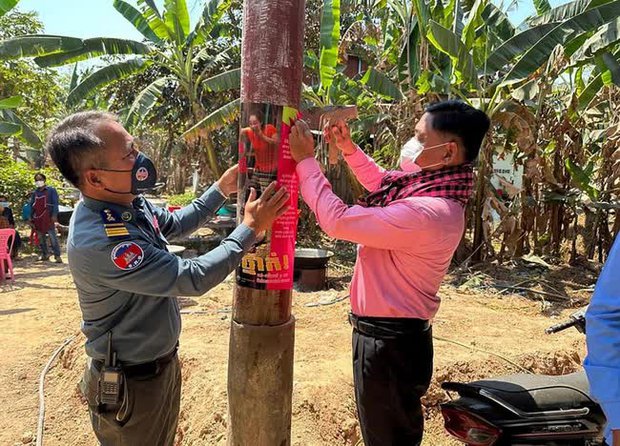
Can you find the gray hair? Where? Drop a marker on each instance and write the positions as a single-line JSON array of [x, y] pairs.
[[73, 144]]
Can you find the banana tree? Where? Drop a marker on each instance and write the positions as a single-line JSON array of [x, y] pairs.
[[12, 125], [486, 68], [7, 5], [8, 127], [470, 50], [169, 44], [10, 122]]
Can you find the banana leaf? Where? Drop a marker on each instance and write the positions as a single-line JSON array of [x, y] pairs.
[[103, 77]]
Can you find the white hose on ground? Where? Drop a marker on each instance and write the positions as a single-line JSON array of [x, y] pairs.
[[42, 394]]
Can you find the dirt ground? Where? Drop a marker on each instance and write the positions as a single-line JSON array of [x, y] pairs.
[[40, 311]]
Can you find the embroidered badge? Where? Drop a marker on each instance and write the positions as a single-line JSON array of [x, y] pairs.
[[112, 224], [127, 256], [108, 216], [142, 174]]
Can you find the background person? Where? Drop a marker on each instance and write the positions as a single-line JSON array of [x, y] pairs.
[[44, 205], [263, 140], [7, 220], [602, 365]]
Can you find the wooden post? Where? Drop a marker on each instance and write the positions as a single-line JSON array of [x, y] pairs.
[[260, 365]]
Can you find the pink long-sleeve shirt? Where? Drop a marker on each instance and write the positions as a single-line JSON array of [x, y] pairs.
[[404, 249]]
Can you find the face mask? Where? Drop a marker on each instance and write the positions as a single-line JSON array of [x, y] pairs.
[[143, 175], [410, 153], [4, 204], [39, 183]]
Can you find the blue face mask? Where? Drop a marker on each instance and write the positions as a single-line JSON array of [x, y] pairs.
[[143, 175], [4, 204]]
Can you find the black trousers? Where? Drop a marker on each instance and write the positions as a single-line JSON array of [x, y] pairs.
[[392, 369], [152, 413]]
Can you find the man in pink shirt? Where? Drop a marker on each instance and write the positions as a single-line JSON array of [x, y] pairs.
[[407, 229]]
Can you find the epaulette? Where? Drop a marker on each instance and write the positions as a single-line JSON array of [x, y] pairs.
[[113, 225]]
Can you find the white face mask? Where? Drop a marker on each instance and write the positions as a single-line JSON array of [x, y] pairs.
[[39, 183], [409, 153], [4, 204]]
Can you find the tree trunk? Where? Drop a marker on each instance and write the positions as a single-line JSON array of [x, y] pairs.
[[484, 169], [260, 366]]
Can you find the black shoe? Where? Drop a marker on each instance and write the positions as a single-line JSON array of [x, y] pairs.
[[57, 259]]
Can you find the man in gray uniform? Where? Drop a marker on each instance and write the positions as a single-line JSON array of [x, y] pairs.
[[127, 281]]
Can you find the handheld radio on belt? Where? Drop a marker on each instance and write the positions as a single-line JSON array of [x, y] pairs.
[[111, 378]]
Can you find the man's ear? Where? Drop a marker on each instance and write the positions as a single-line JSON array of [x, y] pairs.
[[452, 154], [92, 179]]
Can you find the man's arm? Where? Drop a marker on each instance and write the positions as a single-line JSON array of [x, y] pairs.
[[136, 266], [53, 202], [191, 217], [393, 227], [602, 364], [270, 135], [365, 169], [367, 172], [185, 221]]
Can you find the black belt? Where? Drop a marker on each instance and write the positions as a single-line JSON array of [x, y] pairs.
[[384, 327], [144, 369]]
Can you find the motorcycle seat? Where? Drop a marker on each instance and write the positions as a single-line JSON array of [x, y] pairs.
[[533, 393]]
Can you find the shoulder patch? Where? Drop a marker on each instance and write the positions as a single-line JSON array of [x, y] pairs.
[[127, 256], [113, 224]]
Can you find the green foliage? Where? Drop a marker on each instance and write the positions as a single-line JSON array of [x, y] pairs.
[[583, 23], [17, 23], [181, 199], [542, 6], [448, 43], [17, 180], [583, 179], [102, 77], [330, 38], [7, 5], [381, 84], [39, 90]]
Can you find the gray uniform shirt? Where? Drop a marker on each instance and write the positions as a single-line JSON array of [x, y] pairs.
[[127, 282]]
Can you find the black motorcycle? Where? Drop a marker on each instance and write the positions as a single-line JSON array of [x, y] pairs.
[[526, 410]]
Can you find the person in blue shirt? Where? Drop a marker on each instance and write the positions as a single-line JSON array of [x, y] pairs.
[[602, 364], [44, 204], [27, 208]]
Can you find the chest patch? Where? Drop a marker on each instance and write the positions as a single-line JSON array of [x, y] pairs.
[[127, 256]]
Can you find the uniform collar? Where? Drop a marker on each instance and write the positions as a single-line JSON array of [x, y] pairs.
[[124, 211]]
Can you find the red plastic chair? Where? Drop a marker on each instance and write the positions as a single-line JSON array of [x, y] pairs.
[[7, 238], [34, 238]]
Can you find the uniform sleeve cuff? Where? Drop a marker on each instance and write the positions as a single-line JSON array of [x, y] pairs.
[[213, 198], [219, 189], [244, 236], [307, 167]]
